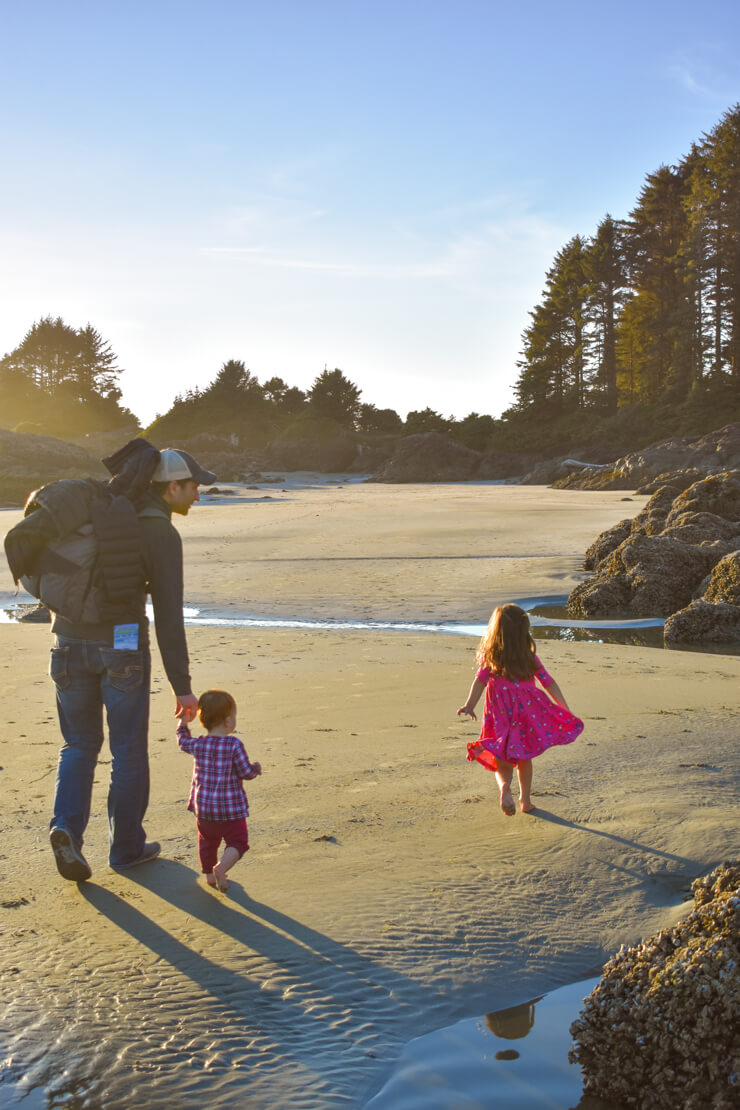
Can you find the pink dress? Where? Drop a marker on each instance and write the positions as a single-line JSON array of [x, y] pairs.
[[519, 720]]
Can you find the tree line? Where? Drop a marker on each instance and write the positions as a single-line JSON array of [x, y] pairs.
[[64, 381], [647, 311], [237, 403]]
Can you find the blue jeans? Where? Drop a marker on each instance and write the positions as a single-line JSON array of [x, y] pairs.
[[90, 675]]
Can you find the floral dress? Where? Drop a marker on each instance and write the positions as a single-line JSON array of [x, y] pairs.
[[520, 721]]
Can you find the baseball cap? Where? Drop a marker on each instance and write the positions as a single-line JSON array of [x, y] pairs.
[[176, 466]]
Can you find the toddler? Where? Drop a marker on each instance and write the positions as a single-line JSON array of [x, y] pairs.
[[217, 796]]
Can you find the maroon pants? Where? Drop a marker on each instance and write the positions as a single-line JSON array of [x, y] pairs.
[[210, 835]]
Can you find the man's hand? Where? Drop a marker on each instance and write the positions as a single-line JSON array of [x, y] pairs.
[[186, 707]]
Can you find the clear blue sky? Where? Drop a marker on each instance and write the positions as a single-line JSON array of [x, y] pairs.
[[376, 186]]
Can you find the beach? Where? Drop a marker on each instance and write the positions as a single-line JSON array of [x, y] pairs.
[[385, 895]]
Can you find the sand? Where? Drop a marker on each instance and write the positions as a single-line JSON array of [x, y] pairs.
[[385, 895]]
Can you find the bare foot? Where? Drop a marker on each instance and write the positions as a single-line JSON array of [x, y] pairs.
[[220, 876], [507, 801], [210, 879], [526, 807]]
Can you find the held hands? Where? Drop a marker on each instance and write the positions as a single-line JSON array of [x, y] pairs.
[[186, 708], [465, 711]]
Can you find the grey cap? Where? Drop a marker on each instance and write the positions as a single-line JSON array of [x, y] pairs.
[[178, 466]]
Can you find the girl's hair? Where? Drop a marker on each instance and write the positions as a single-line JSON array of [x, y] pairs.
[[507, 647], [214, 707]]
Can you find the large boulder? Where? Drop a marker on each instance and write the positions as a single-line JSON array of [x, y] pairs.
[[28, 461], [429, 457], [718, 494], [327, 456], [646, 576], [704, 622], [705, 530], [659, 1031]]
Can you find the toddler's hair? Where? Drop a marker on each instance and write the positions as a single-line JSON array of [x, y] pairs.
[[214, 707], [507, 647]]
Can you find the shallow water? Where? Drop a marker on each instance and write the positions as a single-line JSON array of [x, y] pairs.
[[548, 617], [513, 1057]]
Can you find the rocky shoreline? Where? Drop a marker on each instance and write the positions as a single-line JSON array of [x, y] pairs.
[[679, 558]]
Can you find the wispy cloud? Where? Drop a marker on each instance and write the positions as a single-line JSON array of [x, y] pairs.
[[707, 78], [263, 257]]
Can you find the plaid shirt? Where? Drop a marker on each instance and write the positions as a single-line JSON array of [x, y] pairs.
[[216, 792]]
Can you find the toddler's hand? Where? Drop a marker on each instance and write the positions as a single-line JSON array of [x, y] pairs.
[[186, 708], [258, 768], [469, 712]]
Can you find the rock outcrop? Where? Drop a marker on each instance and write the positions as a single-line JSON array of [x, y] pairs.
[[429, 457], [327, 456], [646, 576], [707, 454], [562, 472], [704, 622], [678, 558], [714, 618], [680, 479], [660, 1028], [28, 461]]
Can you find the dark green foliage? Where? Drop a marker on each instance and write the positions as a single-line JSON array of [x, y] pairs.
[[371, 420], [476, 431], [647, 312], [426, 420], [334, 396]]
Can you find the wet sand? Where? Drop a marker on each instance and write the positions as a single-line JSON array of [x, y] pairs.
[[385, 895]]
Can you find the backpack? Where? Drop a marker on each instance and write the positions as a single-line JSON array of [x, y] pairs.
[[78, 550]]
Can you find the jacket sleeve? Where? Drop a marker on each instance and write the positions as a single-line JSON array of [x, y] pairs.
[[162, 548]]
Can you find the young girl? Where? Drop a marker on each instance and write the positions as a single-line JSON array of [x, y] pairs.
[[519, 721], [217, 796]]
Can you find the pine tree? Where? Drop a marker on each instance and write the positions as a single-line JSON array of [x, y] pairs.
[[334, 396], [604, 268]]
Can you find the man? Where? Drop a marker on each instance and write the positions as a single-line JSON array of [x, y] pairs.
[[107, 665]]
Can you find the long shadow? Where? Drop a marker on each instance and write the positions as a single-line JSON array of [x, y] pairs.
[[356, 980], [320, 969], [555, 819], [226, 988]]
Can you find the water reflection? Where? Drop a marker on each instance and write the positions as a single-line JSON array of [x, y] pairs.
[[513, 1022], [461, 1065]]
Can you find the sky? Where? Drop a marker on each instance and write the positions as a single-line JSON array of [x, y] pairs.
[[374, 185]]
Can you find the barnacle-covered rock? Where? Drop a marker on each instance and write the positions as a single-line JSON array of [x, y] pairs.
[[704, 622], [660, 1031], [681, 546], [646, 576]]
